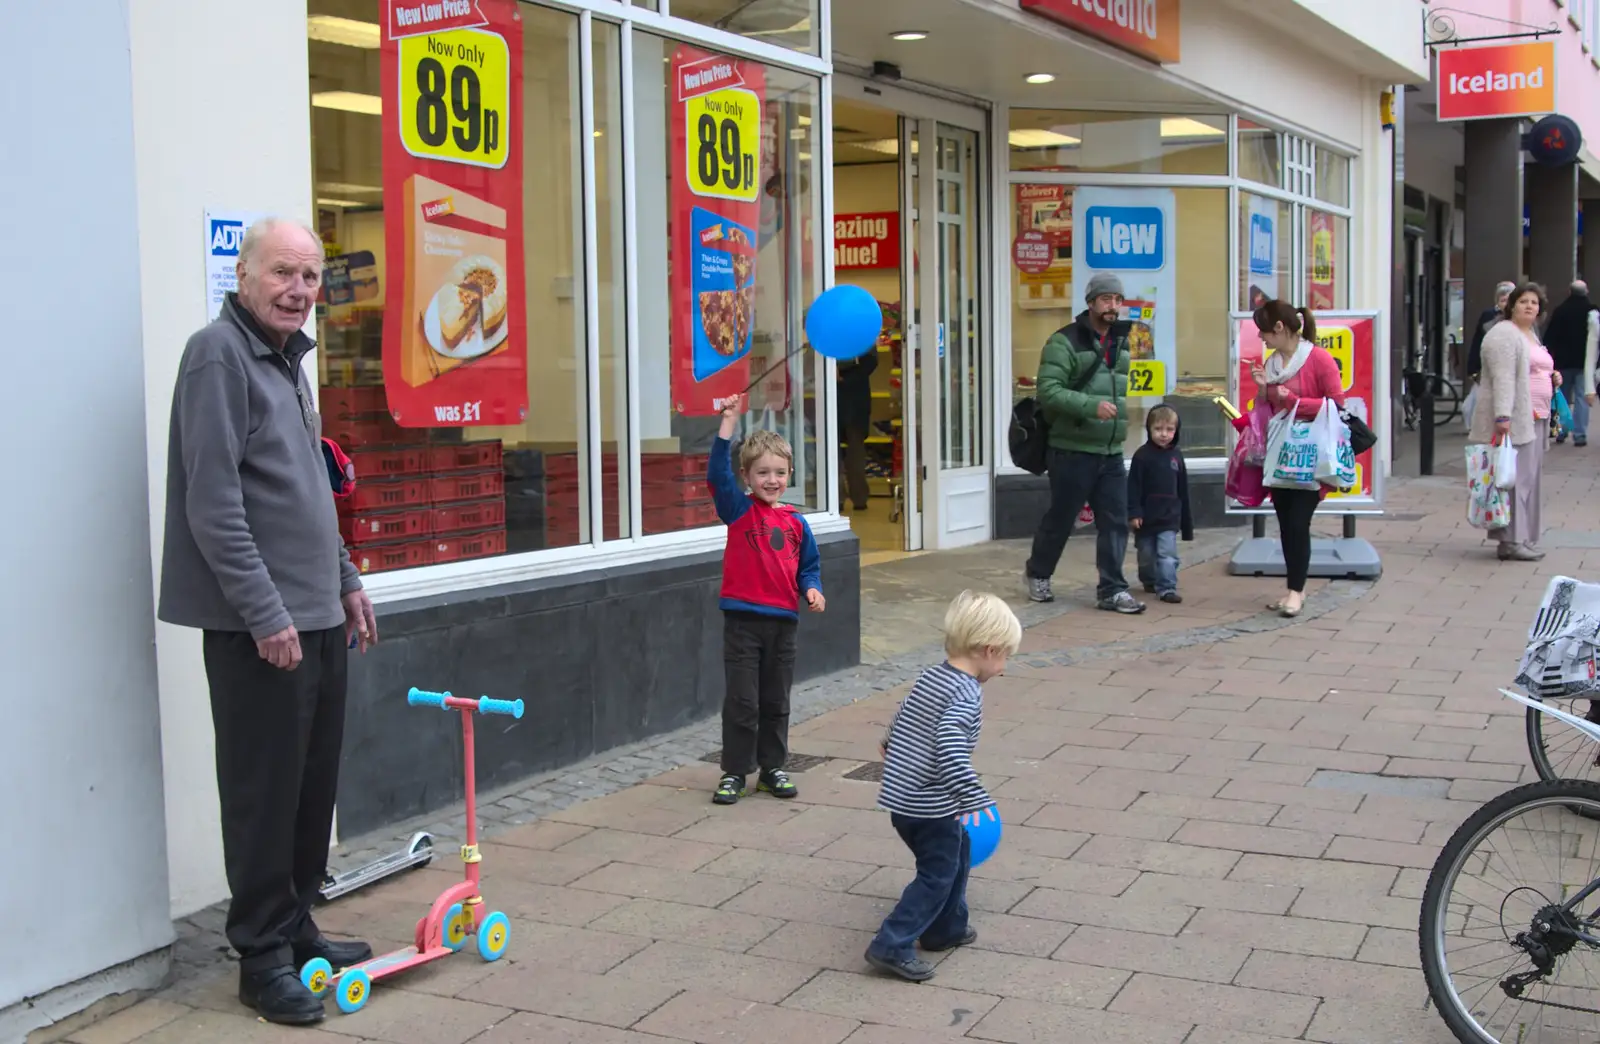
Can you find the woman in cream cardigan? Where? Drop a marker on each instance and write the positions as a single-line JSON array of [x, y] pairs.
[[1514, 402]]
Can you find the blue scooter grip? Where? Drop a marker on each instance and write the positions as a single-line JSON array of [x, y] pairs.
[[419, 698], [511, 707]]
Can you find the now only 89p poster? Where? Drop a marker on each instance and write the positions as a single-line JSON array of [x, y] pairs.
[[455, 323], [716, 104]]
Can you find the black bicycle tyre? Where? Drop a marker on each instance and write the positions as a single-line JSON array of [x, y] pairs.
[[1447, 393], [1448, 867]]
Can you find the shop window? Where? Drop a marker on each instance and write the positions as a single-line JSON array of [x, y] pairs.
[[1333, 178], [1327, 242], [728, 256], [1183, 304], [448, 490], [1260, 153], [1266, 250], [788, 23], [1111, 142]]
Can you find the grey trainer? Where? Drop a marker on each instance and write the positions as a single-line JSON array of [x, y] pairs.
[[1123, 603], [1039, 589]]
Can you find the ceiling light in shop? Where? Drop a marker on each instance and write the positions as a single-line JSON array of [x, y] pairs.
[[349, 101], [341, 203], [346, 31], [1037, 78], [346, 188], [1183, 127], [887, 146], [908, 35], [1039, 138]]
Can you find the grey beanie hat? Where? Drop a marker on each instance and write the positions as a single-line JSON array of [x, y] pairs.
[[1102, 283]]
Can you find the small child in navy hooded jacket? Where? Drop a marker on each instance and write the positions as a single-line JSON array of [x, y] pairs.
[[1158, 503], [769, 563]]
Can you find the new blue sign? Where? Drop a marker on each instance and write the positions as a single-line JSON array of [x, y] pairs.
[[1263, 245], [1131, 239]]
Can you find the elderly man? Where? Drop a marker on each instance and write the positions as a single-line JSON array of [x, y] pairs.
[[1567, 337], [253, 558]]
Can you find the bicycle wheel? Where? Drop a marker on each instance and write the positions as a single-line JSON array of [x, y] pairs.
[[1504, 958], [1560, 751], [1446, 402]]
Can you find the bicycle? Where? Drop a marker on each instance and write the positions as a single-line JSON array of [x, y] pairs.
[[1446, 395], [1533, 942]]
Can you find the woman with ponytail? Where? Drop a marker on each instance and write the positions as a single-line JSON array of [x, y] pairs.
[[1298, 376]]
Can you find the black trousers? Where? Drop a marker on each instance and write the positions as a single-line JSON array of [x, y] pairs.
[[758, 657], [1101, 481], [1294, 508], [855, 462], [278, 739]]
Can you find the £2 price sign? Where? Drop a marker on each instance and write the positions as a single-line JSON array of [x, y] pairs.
[[455, 95]]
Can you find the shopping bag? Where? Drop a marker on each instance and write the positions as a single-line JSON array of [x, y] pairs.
[[1291, 461], [1336, 457], [1488, 506], [1467, 406], [1254, 434], [1244, 485], [1505, 463], [1563, 412]]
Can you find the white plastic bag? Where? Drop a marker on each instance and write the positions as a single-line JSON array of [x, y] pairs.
[[1336, 458], [1291, 453], [1505, 464], [1467, 406]]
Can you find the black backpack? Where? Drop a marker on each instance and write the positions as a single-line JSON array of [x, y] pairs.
[[1030, 430]]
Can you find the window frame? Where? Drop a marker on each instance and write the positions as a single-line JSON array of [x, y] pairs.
[[637, 548], [1301, 196]]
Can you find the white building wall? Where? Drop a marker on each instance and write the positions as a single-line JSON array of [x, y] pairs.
[[221, 120]]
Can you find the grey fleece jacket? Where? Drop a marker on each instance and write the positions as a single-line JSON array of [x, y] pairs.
[[252, 539]]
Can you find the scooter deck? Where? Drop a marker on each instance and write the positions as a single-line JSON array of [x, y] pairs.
[[415, 854], [388, 964]]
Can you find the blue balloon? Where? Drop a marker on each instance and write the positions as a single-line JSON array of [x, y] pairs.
[[844, 322], [983, 837]]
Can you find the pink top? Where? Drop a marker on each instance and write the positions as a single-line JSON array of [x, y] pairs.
[[1540, 386], [1318, 379]]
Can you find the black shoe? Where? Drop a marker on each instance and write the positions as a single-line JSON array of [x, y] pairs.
[[729, 790], [777, 783], [339, 954], [1172, 598], [277, 995], [966, 940], [912, 969], [1149, 588]]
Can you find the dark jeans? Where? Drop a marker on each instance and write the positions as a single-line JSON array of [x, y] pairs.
[[758, 659], [1294, 508], [1102, 482], [855, 463], [1572, 387], [933, 908], [1158, 560], [278, 738]]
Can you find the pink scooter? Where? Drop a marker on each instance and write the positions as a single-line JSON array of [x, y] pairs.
[[456, 915]]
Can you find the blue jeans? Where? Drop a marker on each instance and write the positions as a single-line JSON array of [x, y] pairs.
[[1101, 481], [1571, 387], [1158, 560], [933, 907]]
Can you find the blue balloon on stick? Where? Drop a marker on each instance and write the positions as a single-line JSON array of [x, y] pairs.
[[844, 322], [983, 837]]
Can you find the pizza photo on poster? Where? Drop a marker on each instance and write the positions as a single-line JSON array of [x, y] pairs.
[[455, 323], [722, 151]]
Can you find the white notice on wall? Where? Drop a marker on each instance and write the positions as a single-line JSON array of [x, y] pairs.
[[224, 233]]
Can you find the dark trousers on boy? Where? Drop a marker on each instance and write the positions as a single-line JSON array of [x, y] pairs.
[[758, 658], [933, 908]]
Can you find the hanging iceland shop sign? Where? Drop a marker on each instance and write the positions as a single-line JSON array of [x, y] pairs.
[[1130, 233]]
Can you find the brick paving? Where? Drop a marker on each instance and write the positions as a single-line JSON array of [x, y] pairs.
[[1218, 828]]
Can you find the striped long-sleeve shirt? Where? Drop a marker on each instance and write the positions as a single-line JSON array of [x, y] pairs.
[[927, 772]]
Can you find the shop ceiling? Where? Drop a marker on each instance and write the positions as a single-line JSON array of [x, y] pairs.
[[984, 49]]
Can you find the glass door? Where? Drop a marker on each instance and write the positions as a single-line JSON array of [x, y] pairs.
[[911, 355], [956, 491]]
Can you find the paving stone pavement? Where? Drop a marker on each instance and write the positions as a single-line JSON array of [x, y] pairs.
[[1218, 828]]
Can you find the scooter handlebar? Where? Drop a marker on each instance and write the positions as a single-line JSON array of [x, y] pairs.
[[511, 707], [420, 698]]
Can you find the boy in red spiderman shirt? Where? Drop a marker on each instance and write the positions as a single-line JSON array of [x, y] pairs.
[[770, 562]]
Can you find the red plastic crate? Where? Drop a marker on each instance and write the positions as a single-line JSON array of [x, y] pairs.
[[565, 465], [391, 493], [477, 514], [469, 485], [369, 431], [361, 398], [381, 557], [670, 520], [467, 456], [384, 526], [402, 460], [469, 545]]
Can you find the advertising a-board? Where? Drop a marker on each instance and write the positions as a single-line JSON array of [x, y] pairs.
[[455, 330], [1351, 338], [1129, 233]]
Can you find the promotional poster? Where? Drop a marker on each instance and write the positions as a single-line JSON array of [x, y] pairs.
[[1129, 232], [716, 214], [455, 328]]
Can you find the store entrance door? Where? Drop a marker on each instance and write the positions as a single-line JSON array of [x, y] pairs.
[[929, 410]]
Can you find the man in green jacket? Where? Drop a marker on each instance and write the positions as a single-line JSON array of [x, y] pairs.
[[1083, 390]]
